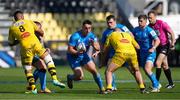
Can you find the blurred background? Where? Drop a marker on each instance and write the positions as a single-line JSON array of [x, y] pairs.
[[60, 18]]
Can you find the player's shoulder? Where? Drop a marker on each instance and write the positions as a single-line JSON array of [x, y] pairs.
[[136, 28], [120, 25], [91, 34], [148, 28], [28, 21], [114, 34], [159, 21], [76, 34]]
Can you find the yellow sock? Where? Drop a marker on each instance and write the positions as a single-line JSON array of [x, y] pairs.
[[52, 71], [103, 89], [141, 86], [54, 77], [109, 86], [33, 87]]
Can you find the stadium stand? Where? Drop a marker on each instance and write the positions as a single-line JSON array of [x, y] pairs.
[[60, 18], [57, 14]]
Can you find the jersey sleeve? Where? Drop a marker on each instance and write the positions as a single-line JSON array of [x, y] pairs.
[[72, 40], [94, 38], [166, 27], [11, 37], [153, 34], [125, 29]]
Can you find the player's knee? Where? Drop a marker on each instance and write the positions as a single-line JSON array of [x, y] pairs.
[[165, 67], [147, 70], [158, 63], [135, 70], [108, 71]]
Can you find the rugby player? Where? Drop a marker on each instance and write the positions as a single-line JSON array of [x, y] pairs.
[[124, 45], [111, 24], [148, 41], [79, 59]]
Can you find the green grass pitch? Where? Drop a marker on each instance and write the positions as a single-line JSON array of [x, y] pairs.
[[13, 86]]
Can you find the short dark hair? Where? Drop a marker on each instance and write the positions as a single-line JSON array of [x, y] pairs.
[[17, 12], [142, 16], [110, 17], [87, 22], [152, 12], [37, 22]]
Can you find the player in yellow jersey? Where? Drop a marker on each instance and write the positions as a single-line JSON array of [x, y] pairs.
[[22, 32], [124, 45]]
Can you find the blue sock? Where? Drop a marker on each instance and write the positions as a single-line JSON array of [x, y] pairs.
[[36, 74], [42, 77], [113, 81], [98, 80], [154, 80]]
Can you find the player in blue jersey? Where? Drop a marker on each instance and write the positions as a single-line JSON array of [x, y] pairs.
[[111, 23], [79, 58], [148, 41]]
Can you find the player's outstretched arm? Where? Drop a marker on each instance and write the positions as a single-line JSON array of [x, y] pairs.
[[96, 46]]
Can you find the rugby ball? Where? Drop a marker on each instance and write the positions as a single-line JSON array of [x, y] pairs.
[[81, 47]]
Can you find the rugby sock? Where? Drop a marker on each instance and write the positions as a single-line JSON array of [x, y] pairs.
[[51, 67], [109, 86], [168, 76], [158, 73], [31, 80], [141, 86], [42, 77], [154, 80], [113, 81], [36, 74], [98, 80]]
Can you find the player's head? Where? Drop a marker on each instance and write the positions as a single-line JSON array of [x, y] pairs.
[[152, 17], [117, 30], [38, 24], [86, 26], [18, 15], [111, 21], [142, 20]]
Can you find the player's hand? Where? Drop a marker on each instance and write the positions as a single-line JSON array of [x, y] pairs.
[[95, 54], [172, 47], [81, 51], [48, 50], [152, 50]]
